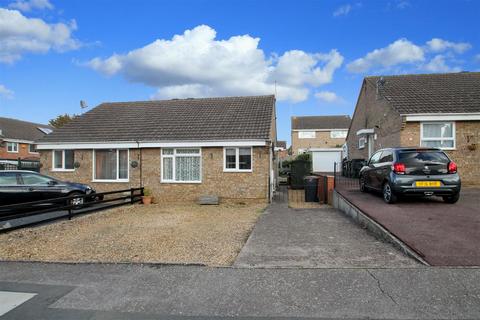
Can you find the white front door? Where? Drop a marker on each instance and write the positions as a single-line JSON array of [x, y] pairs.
[[370, 146]]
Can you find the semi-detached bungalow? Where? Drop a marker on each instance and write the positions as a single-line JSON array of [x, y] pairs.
[[430, 110], [181, 149]]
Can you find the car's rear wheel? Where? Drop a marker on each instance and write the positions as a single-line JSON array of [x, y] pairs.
[[363, 186], [77, 202], [452, 199], [388, 195]]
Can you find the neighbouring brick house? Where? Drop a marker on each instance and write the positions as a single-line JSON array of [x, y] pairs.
[[281, 150], [431, 110], [180, 149], [323, 137], [17, 139], [317, 132]]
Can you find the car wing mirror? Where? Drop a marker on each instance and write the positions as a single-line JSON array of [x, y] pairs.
[[52, 182]]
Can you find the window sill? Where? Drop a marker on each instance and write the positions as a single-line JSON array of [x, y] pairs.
[[182, 182], [111, 181], [12, 151], [237, 170], [63, 170]]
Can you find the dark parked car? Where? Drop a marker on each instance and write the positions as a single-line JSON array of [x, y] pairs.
[[17, 186], [411, 172]]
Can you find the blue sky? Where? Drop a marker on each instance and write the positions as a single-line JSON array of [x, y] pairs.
[[54, 53]]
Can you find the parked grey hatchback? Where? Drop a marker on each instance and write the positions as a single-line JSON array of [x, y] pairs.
[[421, 172]]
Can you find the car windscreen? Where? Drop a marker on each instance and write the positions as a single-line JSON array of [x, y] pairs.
[[422, 158]]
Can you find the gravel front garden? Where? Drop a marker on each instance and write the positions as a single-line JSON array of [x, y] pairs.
[[159, 233]]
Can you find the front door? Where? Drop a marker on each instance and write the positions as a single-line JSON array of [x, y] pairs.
[[370, 145]]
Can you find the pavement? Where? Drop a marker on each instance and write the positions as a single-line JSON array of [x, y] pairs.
[[297, 264], [442, 234], [314, 238], [126, 291]]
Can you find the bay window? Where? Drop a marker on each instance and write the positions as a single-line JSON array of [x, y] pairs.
[[181, 165], [437, 135], [237, 159], [63, 160], [110, 165]]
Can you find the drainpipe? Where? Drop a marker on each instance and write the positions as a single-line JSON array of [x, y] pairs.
[[141, 162]]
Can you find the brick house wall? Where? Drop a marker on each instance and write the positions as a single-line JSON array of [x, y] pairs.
[[322, 140], [22, 153], [467, 133], [371, 112], [229, 186]]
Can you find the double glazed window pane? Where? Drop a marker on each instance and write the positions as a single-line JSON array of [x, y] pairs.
[[182, 165], [438, 135], [111, 164], [437, 130], [230, 158], [106, 164], [245, 158], [58, 159], [187, 168], [69, 159]]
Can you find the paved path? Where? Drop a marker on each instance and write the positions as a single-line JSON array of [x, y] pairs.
[[314, 238], [92, 291], [443, 234]]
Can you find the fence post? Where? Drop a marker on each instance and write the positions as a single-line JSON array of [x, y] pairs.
[[69, 213], [334, 174], [131, 195]]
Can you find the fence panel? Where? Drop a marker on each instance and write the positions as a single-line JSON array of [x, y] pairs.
[[65, 207]]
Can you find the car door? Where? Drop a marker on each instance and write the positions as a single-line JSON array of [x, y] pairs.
[[383, 167], [40, 187], [11, 191], [372, 167]]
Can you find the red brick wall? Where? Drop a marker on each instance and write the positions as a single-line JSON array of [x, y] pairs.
[[22, 152]]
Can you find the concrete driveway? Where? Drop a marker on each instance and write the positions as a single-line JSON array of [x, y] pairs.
[[314, 238]]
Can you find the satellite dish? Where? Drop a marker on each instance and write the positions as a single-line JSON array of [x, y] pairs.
[[83, 104]]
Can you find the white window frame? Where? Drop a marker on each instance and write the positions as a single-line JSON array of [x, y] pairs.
[[14, 150], [62, 169], [173, 156], [237, 160], [307, 134], [453, 138], [33, 152], [339, 131], [94, 151], [362, 141]]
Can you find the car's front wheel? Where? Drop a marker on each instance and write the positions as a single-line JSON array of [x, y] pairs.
[[362, 183], [452, 199], [388, 195]]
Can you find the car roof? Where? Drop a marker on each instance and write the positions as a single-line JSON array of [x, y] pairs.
[[19, 171], [409, 149]]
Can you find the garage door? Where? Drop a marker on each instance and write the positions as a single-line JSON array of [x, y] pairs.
[[323, 161]]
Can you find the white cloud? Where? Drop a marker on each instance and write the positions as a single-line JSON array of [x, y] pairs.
[[477, 57], [20, 35], [328, 96], [403, 4], [29, 5], [196, 64], [5, 92], [398, 52], [438, 64], [439, 45], [342, 10]]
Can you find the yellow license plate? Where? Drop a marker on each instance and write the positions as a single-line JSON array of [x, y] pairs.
[[428, 184]]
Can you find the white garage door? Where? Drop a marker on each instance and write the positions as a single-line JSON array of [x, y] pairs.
[[323, 161]]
